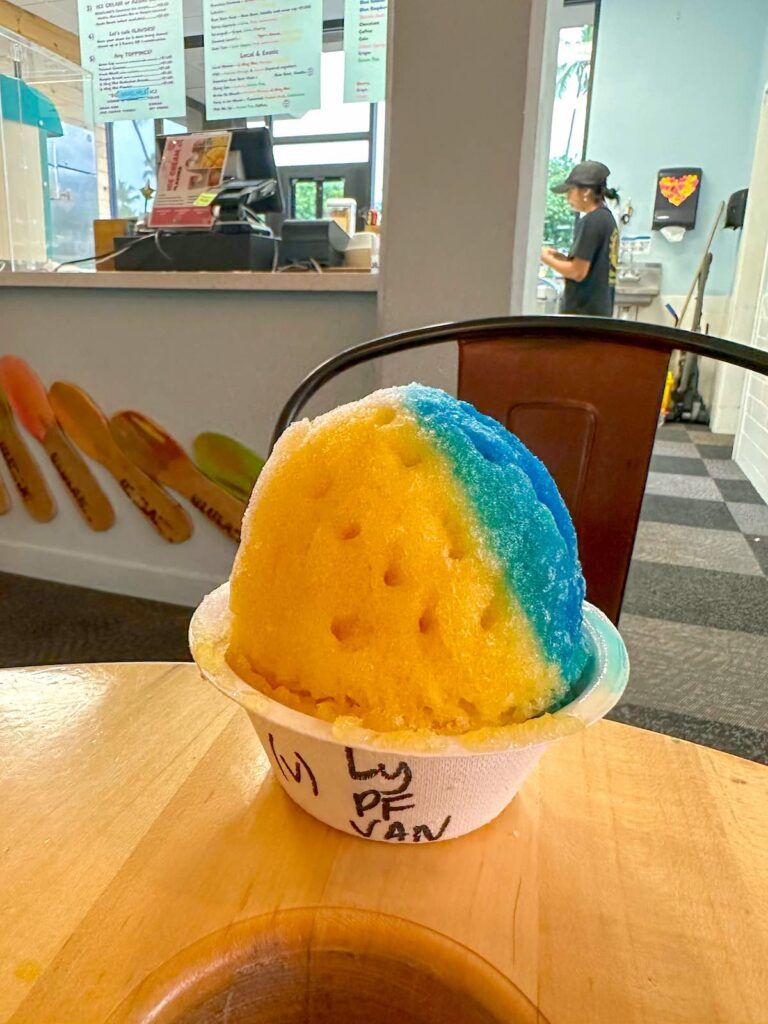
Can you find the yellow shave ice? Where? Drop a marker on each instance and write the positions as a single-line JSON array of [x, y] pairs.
[[406, 562]]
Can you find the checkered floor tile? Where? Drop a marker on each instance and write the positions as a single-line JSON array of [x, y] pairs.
[[695, 615]]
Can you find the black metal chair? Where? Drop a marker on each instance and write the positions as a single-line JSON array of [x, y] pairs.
[[583, 393]]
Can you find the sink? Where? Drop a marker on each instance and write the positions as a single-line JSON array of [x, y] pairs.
[[637, 284]]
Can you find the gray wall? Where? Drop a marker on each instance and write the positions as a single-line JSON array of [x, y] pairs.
[[456, 130]]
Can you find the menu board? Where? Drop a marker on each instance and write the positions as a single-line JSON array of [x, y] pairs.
[[262, 57], [365, 51], [135, 51], [190, 175]]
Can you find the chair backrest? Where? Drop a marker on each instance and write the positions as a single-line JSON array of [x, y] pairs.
[[589, 410], [584, 395]]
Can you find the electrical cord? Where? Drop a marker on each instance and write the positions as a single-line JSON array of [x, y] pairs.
[[255, 222], [160, 249], [96, 260], [303, 267]]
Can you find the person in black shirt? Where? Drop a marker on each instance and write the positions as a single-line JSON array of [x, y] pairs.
[[589, 268]]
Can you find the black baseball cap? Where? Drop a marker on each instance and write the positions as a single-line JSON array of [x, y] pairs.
[[588, 174]]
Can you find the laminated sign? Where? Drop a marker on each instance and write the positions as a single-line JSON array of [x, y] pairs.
[[191, 174], [135, 51], [261, 57], [365, 51]]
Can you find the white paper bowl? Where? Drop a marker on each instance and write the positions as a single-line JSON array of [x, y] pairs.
[[400, 793]]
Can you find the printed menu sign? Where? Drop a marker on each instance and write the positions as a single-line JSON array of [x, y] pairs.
[[190, 175], [365, 51], [262, 57], [135, 51]]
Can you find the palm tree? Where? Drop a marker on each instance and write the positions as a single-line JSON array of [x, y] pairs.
[[126, 195], [577, 71]]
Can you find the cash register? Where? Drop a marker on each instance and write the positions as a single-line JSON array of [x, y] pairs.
[[238, 240]]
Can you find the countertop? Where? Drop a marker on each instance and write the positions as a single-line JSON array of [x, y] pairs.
[[232, 280]]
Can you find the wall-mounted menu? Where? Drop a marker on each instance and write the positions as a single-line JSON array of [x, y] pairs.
[[262, 57], [365, 50], [135, 51]]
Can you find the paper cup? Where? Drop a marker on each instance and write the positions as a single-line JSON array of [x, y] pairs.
[[399, 794]]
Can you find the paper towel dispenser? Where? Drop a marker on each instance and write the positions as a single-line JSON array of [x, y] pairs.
[[677, 198]]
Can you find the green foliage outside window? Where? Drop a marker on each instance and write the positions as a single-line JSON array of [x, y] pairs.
[[305, 199], [333, 188], [307, 192], [559, 218]]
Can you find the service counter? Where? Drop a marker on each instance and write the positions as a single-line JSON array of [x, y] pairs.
[[195, 352]]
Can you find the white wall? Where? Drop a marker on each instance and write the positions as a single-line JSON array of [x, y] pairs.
[[751, 448], [194, 361], [729, 384]]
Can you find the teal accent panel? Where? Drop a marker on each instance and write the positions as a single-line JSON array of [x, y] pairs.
[[20, 102]]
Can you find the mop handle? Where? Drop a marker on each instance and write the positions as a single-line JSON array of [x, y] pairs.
[[689, 296]]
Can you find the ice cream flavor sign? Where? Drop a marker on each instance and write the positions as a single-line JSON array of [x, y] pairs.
[[134, 50], [365, 50], [262, 57]]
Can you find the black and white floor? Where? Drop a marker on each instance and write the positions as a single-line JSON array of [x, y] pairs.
[[695, 616]]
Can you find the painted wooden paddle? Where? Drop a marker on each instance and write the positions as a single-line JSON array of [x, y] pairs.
[[5, 499], [228, 462], [30, 403], [160, 456], [87, 425], [29, 481]]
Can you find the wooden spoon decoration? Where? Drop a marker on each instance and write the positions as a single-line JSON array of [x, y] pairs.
[[5, 499], [160, 456], [30, 403], [29, 481], [228, 462], [87, 425]]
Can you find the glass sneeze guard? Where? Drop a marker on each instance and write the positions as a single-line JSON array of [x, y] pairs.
[[42, 96]]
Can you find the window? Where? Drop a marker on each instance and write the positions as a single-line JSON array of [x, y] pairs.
[[133, 156], [174, 128], [74, 196], [310, 195], [378, 156], [337, 133], [319, 155], [335, 117], [313, 153], [574, 65], [329, 152]]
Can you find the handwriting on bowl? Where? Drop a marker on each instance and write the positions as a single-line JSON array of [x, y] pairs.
[[387, 802], [294, 772]]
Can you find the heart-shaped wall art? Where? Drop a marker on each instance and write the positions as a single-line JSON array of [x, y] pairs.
[[677, 190]]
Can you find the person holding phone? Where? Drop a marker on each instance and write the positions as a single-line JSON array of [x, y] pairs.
[[589, 269]]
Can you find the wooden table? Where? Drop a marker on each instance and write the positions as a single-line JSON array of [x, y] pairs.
[[147, 859]]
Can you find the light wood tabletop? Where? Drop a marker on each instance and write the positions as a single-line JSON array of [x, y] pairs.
[[152, 870]]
